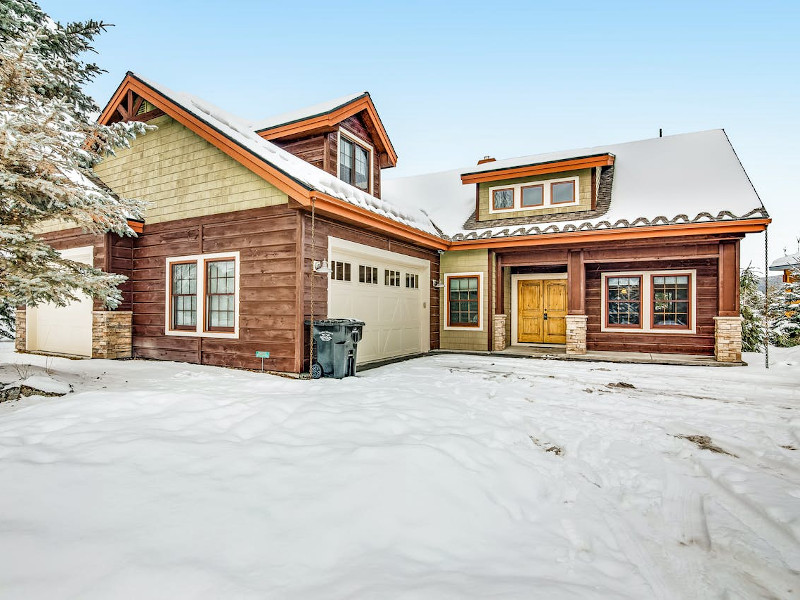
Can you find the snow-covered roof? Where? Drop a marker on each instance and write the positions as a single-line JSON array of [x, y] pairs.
[[301, 114], [790, 261], [241, 132], [692, 177]]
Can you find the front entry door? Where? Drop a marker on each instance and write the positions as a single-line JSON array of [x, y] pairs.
[[542, 306]]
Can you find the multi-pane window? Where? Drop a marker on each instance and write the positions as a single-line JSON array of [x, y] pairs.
[[340, 270], [624, 301], [503, 199], [354, 164], [367, 274], [463, 306], [671, 301], [532, 195], [220, 295], [412, 280], [184, 295], [203, 295], [562, 192], [391, 278]]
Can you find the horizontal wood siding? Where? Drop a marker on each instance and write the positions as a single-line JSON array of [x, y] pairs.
[[707, 301], [310, 149], [319, 250], [265, 239]]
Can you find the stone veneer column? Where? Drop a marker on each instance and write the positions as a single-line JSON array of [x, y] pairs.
[[576, 334], [20, 339], [728, 339], [499, 325], [112, 334]]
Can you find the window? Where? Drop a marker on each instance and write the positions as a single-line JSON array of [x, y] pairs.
[[220, 295], [503, 199], [354, 163], [532, 195], [624, 301], [535, 195], [340, 271], [203, 295], [463, 301], [412, 280], [656, 302], [562, 192], [184, 296], [670, 301], [367, 274], [391, 278]]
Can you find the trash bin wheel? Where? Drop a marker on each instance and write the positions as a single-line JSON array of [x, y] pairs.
[[316, 371]]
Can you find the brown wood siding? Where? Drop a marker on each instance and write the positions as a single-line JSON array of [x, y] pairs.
[[324, 228], [121, 261], [310, 149], [265, 240], [701, 342]]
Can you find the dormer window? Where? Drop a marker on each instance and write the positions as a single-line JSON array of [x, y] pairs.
[[503, 199], [562, 192], [534, 195], [355, 159]]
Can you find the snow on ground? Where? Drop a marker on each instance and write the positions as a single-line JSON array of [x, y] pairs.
[[443, 477]]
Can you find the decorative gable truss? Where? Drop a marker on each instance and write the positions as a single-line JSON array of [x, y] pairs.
[[130, 106]]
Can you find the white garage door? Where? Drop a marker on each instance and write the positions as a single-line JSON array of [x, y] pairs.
[[65, 329], [390, 292]]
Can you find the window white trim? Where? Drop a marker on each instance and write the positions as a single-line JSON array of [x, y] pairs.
[[200, 259], [352, 137], [515, 302], [481, 302], [647, 301], [546, 200]]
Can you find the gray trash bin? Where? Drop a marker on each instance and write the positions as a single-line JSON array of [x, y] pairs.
[[335, 347]]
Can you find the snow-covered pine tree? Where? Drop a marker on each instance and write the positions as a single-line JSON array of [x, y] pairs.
[[785, 312], [751, 302], [48, 145], [7, 320]]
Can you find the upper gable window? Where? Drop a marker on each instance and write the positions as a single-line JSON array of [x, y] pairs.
[[535, 195], [355, 158]]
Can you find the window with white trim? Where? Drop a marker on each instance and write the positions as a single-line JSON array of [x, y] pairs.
[[464, 299], [391, 278], [649, 301], [203, 297], [412, 281], [355, 160]]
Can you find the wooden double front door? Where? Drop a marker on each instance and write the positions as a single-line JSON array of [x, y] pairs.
[[542, 308]]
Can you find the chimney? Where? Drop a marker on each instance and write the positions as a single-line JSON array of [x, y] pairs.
[[486, 159]]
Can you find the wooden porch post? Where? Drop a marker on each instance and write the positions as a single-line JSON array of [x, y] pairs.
[[576, 283], [729, 279]]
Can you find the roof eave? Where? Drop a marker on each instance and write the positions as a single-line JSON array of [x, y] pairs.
[[539, 168]]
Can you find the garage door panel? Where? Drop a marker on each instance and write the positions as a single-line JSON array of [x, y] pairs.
[[63, 329], [397, 318]]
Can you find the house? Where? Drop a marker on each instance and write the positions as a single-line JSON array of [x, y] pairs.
[[786, 264], [628, 247]]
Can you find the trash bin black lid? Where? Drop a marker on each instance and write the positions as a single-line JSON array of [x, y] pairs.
[[336, 322]]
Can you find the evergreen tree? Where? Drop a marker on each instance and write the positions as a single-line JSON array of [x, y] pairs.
[[752, 311], [785, 312], [48, 146], [7, 319]]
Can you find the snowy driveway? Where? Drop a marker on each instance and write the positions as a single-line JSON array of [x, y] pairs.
[[442, 477]]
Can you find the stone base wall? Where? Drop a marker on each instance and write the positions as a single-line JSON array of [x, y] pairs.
[[499, 328], [576, 334], [111, 334], [728, 339], [20, 339]]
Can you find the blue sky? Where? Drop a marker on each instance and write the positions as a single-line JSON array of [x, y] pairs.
[[456, 81]]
